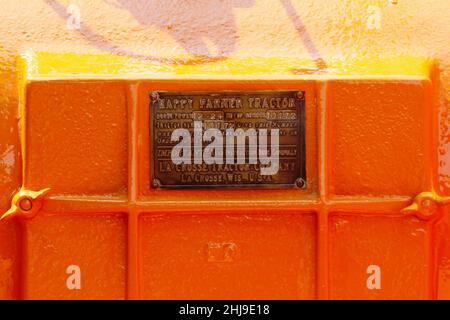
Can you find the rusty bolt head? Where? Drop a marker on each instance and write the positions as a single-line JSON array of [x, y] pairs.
[[300, 95]]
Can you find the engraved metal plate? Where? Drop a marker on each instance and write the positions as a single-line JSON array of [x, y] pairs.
[[183, 127]]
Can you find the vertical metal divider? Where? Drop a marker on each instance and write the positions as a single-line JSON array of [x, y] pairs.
[[132, 283], [23, 232], [431, 140], [429, 186], [322, 214]]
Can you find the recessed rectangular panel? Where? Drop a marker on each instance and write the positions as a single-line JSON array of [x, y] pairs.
[[378, 257], [377, 137], [9, 259], [228, 256], [76, 257], [228, 139], [77, 137]]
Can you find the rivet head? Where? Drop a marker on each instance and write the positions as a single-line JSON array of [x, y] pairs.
[[26, 204], [300, 95], [427, 207]]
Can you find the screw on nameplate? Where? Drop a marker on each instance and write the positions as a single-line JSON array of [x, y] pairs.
[[154, 96], [221, 252], [300, 95], [300, 183]]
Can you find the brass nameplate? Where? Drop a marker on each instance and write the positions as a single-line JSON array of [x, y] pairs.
[[227, 139]]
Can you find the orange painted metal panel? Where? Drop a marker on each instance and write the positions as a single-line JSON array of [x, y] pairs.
[[78, 133], [55, 242], [293, 239], [377, 141], [298, 241], [398, 245], [10, 262], [441, 247], [228, 256]]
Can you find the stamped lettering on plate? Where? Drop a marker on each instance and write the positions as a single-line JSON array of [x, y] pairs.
[[227, 139]]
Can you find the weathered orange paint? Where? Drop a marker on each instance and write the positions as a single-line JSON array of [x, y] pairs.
[[228, 256], [370, 123], [89, 147], [87, 243], [74, 118], [406, 268]]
